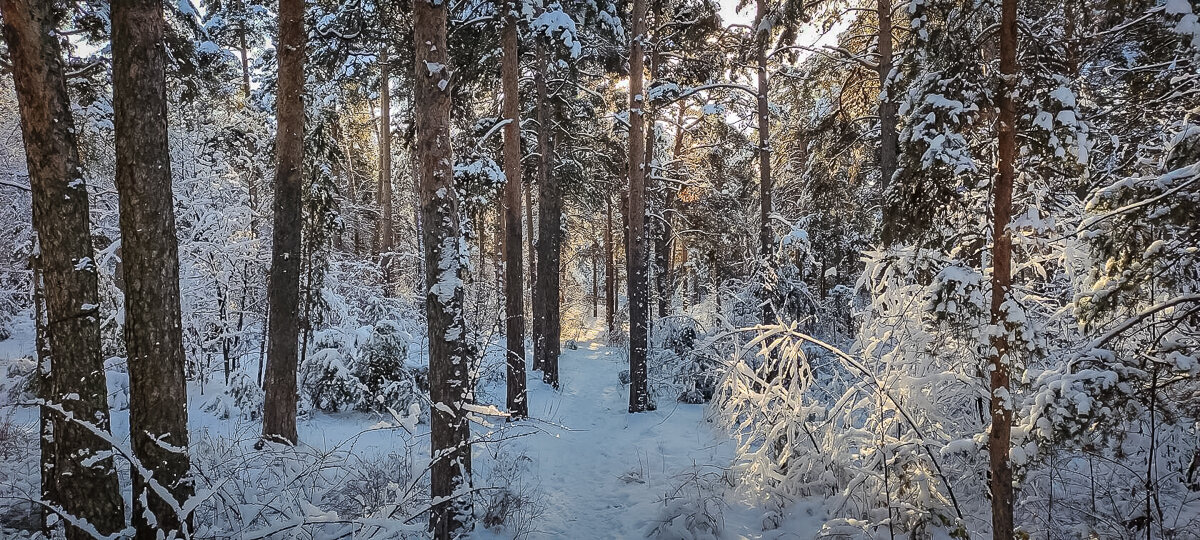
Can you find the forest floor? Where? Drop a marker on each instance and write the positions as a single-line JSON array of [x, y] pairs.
[[580, 467], [605, 473]]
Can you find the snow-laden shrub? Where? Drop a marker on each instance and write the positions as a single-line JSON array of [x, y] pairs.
[[694, 508], [515, 504], [242, 397], [328, 382], [386, 382], [679, 367], [305, 492], [363, 370]]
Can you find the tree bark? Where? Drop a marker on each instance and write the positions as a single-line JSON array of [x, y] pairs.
[[65, 279], [999, 438], [546, 322], [610, 268], [639, 319], [514, 271], [283, 289], [386, 236], [765, 237], [149, 250], [244, 53], [888, 106], [449, 353], [663, 242]]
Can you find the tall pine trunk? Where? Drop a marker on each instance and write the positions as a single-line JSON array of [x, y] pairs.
[[639, 317], [1001, 405], [765, 237], [449, 352], [283, 288], [386, 236], [610, 268], [546, 324], [888, 106], [514, 272], [79, 480], [149, 252]]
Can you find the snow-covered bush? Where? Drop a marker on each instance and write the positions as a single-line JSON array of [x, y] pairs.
[[304, 491], [329, 382], [386, 381], [694, 508]]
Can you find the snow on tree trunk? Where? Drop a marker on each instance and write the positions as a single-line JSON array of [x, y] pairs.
[[514, 272], [149, 251], [445, 255], [766, 241], [283, 289], [638, 285], [66, 281], [1001, 405]]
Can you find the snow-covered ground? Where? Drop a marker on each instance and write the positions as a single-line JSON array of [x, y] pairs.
[[582, 466], [602, 472]]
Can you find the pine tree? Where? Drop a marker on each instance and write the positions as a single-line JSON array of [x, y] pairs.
[[635, 237], [450, 355], [149, 250], [514, 292], [1001, 404], [283, 290], [81, 480]]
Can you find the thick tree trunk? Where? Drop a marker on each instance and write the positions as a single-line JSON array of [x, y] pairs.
[[514, 271], [546, 324], [65, 280], [283, 289], [1001, 405], [386, 236], [766, 241], [449, 353], [610, 269], [149, 250], [639, 317], [888, 106]]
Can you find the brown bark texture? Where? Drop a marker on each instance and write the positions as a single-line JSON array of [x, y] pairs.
[[149, 249], [1000, 435], [636, 280], [449, 353], [547, 326], [66, 280], [283, 285], [514, 271]]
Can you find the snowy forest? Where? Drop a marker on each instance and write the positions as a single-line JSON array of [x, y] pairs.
[[669, 269]]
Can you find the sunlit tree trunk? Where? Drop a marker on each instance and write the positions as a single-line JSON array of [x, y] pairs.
[[1001, 405], [639, 319], [386, 236], [283, 289], [149, 250], [514, 272], [72, 369], [449, 353], [765, 237], [888, 106], [546, 321], [610, 268]]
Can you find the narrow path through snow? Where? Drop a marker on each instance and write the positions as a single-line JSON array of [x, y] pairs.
[[604, 472]]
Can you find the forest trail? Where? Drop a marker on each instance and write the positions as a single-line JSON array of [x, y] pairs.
[[599, 471]]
